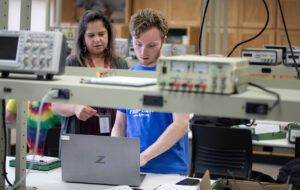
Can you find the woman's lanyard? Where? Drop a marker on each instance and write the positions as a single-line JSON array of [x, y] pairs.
[[106, 65]]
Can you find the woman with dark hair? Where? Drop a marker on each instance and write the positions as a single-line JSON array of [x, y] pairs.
[[93, 47]]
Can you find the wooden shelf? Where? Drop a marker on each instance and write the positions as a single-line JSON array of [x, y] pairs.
[[245, 19]]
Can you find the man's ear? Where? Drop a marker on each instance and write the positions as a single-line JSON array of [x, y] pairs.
[[164, 40]]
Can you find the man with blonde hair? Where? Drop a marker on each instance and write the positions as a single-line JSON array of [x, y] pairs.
[[163, 136]]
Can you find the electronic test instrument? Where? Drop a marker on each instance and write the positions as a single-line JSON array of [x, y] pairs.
[[40, 53], [200, 74]]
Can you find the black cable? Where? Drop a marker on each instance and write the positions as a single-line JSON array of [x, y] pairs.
[[251, 124], [263, 29], [269, 91], [5, 143], [288, 39], [233, 178], [226, 186], [201, 28]]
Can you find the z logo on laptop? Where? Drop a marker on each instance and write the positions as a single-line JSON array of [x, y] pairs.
[[100, 160]]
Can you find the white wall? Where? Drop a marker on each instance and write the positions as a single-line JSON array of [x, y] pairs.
[[38, 15]]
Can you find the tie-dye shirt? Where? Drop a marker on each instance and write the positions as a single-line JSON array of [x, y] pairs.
[[48, 120]]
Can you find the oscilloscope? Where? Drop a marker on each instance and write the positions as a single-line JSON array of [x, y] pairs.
[[40, 53]]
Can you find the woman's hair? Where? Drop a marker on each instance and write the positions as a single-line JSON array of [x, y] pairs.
[[79, 50], [145, 19]]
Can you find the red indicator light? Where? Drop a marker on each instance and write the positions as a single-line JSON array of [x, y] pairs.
[[247, 54], [295, 56]]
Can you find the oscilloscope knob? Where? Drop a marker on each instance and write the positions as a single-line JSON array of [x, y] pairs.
[[33, 60], [27, 47], [28, 40], [42, 61], [48, 60], [35, 47], [25, 60], [44, 47]]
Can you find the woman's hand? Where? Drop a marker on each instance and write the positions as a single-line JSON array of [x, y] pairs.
[[83, 113]]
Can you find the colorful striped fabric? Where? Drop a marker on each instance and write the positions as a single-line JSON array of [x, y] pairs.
[[48, 120]]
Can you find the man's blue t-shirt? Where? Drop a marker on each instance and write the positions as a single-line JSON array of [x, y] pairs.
[[148, 126]]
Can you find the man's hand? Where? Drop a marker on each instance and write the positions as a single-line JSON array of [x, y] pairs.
[[83, 113]]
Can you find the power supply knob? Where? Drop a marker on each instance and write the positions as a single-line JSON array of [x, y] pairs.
[[189, 85], [202, 85], [163, 83], [176, 84]]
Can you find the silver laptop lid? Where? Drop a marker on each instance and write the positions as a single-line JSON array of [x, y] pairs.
[[100, 159]]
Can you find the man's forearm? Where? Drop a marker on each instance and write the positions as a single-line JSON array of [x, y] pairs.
[[171, 136], [119, 128], [118, 131]]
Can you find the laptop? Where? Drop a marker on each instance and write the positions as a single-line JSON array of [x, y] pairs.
[[100, 159]]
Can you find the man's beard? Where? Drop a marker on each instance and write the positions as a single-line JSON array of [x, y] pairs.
[[155, 59]]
